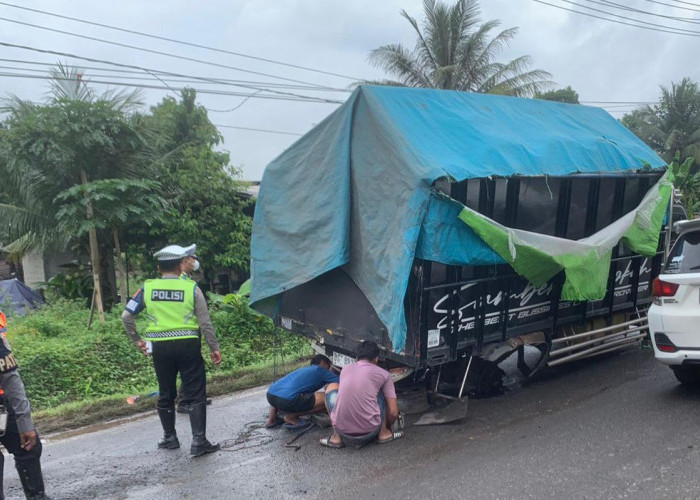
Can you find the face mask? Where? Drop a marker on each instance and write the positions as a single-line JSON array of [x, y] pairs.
[[195, 266]]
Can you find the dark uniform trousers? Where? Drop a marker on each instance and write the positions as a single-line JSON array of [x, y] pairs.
[[25, 461], [183, 356]]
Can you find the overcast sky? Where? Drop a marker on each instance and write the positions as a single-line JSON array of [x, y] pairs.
[[601, 60]]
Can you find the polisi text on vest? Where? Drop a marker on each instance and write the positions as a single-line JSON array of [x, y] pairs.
[[168, 295]]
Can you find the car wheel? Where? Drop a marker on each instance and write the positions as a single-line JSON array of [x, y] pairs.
[[687, 375]]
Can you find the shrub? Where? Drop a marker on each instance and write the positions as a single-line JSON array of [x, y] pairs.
[[62, 361], [74, 283]]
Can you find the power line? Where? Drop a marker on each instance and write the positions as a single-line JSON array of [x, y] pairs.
[[672, 6], [235, 107], [170, 88], [181, 42], [152, 51], [255, 94], [654, 14], [687, 3], [613, 20], [162, 87], [202, 79], [696, 33], [149, 76], [257, 130], [143, 77], [130, 66]]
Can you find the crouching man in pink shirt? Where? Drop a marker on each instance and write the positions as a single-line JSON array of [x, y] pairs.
[[363, 405]]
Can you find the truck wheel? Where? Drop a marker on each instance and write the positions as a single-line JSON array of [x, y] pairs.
[[687, 375]]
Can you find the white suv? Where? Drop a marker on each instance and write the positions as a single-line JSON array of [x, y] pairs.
[[674, 317]]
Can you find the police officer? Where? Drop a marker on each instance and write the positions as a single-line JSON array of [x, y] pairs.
[[190, 264], [188, 267], [18, 434], [177, 314]]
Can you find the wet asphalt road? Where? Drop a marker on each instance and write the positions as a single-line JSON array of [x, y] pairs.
[[614, 427]]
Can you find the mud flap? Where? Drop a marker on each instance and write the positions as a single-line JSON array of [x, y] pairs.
[[454, 411]]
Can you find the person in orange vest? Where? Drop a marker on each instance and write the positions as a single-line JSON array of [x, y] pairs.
[[17, 432]]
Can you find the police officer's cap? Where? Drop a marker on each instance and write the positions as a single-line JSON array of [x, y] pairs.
[[191, 251], [171, 252]]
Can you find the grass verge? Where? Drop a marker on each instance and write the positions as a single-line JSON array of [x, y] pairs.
[[73, 415]]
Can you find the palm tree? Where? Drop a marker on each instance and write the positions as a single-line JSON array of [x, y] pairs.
[[672, 126], [454, 51]]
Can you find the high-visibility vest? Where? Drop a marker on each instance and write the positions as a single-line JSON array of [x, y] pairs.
[[8, 362], [170, 309]]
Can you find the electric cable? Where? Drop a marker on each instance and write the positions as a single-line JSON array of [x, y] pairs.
[[236, 106], [191, 78], [181, 42], [696, 33], [672, 6], [257, 130], [151, 51], [166, 87], [687, 3], [612, 20], [607, 3], [101, 61]]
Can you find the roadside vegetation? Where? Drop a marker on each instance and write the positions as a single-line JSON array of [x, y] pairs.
[[63, 364], [671, 127], [102, 177]]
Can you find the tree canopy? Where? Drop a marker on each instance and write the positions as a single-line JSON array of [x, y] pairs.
[[45, 149], [207, 200], [84, 164], [72, 139], [567, 95], [671, 126], [455, 50]]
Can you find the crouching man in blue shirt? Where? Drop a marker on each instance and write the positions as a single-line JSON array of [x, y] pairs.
[[295, 393]]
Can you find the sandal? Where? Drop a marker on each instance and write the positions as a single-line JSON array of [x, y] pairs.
[[394, 437], [299, 426], [279, 421], [330, 444]]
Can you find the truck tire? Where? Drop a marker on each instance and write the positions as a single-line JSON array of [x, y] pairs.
[[687, 375]]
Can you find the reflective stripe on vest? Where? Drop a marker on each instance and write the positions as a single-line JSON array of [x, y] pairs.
[[170, 309]]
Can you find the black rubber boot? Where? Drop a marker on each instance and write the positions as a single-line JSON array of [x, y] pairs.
[[167, 420], [183, 408], [198, 421], [32, 480]]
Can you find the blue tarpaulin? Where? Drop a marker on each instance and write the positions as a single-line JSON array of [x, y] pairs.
[[356, 191], [17, 298]]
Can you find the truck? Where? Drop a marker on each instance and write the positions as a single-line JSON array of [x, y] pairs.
[[458, 230]]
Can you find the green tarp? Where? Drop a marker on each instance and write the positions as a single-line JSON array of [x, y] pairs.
[[585, 262]]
